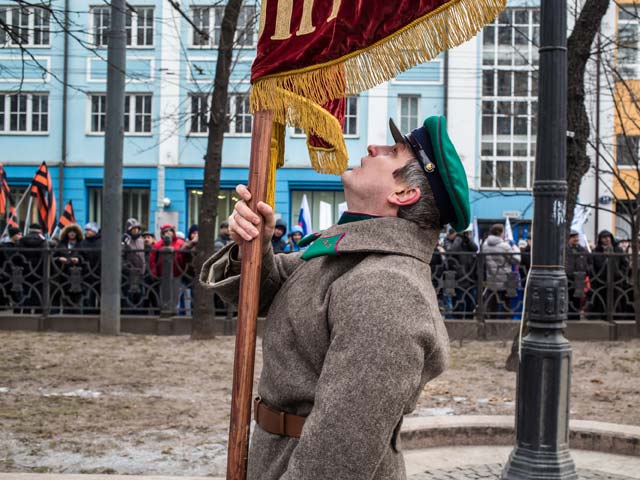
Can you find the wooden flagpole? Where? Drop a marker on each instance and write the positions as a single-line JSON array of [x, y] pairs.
[[244, 359]]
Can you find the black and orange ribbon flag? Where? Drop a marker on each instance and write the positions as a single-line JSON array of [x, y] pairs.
[[68, 216], [42, 191], [12, 219], [5, 191]]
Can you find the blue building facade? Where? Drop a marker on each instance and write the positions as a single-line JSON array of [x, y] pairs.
[[170, 69]]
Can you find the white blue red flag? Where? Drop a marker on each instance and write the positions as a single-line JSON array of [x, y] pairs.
[[304, 218]]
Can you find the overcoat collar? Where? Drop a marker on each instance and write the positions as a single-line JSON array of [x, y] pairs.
[[390, 235]]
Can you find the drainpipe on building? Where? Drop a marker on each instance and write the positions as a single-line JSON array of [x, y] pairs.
[[597, 229], [446, 83], [65, 80]]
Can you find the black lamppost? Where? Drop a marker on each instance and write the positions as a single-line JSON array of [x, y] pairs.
[[544, 375]]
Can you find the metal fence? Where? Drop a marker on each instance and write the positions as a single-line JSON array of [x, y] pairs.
[[469, 286]]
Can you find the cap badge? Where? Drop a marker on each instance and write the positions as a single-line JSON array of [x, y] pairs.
[[429, 167]]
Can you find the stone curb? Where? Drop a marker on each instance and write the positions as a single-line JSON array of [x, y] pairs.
[[468, 430]]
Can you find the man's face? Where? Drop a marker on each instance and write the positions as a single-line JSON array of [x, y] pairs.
[[168, 233], [89, 233], [368, 186], [134, 231], [573, 240], [278, 232], [71, 235], [224, 231], [296, 237], [16, 238], [148, 240], [605, 240]]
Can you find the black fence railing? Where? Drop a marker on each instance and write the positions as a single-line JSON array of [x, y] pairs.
[[469, 286]]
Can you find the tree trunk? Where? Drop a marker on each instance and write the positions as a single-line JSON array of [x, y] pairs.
[[578, 52], [203, 305]]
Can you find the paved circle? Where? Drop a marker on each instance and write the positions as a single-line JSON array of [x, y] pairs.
[[493, 472]]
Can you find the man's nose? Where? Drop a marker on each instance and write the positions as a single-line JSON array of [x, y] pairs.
[[374, 150]]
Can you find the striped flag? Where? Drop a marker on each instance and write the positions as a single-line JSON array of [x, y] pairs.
[[304, 218], [476, 232], [12, 219], [42, 191], [4, 191], [68, 216]]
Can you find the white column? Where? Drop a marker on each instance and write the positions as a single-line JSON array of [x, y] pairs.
[[463, 104], [377, 119]]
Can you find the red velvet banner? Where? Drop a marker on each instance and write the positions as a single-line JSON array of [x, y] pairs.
[[313, 53]]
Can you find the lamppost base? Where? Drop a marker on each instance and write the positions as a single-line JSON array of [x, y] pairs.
[[526, 464]]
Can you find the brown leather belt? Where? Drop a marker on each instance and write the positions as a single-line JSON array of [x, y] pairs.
[[277, 422]]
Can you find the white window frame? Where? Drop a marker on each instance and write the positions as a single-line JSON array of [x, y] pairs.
[[104, 27], [348, 114], [202, 131], [135, 27], [214, 14], [515, 149], [230, 129], [5, 118], [628, 69], [131, 105], [619, 139], [404, 121], [7, 13]]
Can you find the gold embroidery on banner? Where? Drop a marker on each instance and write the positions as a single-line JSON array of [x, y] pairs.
[[263, 16], [283, 20], [306, 24], [334, 10]]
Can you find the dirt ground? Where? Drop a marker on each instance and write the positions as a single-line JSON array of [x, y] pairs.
[[160, 405]]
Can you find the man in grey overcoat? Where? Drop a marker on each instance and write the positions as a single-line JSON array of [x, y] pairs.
[[352, 331]]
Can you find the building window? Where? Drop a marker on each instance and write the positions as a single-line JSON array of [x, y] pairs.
[[137, 113], [239, 118], [509, 99], [628, 40], [627, 150], [199, 118], [135, 203], [226, 201], [208, 20], [24, 112], [326, 207], [408, 112], [351, 117], [625, 213], [100, 18], [139, 26], [27, 26]]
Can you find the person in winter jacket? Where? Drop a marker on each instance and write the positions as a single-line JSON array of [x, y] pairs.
[[32, 248], [295, 235], [608, 268], [579, 266], [67, 262], [91, 251], [168, 239], [352, 331], [9, 261], [223, 236], [500, 259], [461, 259], [278, 242], [133, 266]]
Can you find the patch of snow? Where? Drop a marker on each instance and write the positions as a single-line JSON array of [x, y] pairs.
[[81, 392], [4, 390]]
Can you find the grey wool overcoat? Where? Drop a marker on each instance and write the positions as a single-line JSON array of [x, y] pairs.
[[350, 339]]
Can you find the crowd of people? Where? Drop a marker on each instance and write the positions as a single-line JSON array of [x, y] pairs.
[[597, 281], [598, 276]]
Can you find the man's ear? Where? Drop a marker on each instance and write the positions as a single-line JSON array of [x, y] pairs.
[[402, 198]]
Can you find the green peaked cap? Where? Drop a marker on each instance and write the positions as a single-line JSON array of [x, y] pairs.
[[442, 165]]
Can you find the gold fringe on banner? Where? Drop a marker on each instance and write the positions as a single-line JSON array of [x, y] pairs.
[[296, 96]]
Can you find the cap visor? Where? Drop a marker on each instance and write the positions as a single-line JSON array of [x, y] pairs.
[[395, 132]]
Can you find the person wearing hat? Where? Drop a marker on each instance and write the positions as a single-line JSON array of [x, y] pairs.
[[133, 266], [279, 239], [461, 258], [91, 250], [168, 239], [608, 267], [223, 236], [8, 255], [579, 266], [66, 261], [33, 248], [353, 331]]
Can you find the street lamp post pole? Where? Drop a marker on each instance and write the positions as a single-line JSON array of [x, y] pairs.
[[544, 374]]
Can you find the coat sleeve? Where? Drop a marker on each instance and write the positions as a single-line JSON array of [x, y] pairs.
[[381, 345], [221, 273]]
